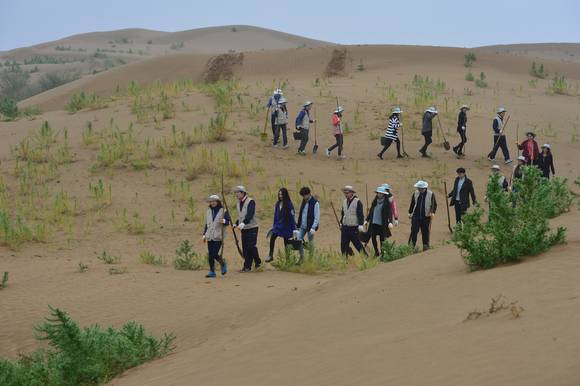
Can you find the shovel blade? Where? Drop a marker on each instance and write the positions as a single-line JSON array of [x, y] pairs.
[[263, 136], [315, 149]]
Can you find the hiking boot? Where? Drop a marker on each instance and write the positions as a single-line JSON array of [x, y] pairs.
[[455, 150], [224, 268], [342, 156], [425, 155], [490, 159], [210, 274], [380, 156], [399, 156], [508, 161], [301, 152], [327, 152], [245, 270], [285, 146], [269, 259], [425, 247]]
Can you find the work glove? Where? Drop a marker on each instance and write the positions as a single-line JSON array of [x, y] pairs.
[[410, 215], [204, 238], [396, 222], [365, 223], [312, 232], [241, 226], [296, 234], [390, 225], [223, 221], [361, 228], [463, 128]]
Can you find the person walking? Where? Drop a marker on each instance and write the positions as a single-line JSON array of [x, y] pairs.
[[499, 140], [503, 182], [421, 211], [303, 121], [427, 129], [392, 133], [352, 220], [462, 190], [461, 130], [338, 133], [284, 224], [529, 148], [248, 225], [272, 105], [379, 219], [393, 204], [216, 220], [546, 161], [281, 123], [308, 219], [518, 172]]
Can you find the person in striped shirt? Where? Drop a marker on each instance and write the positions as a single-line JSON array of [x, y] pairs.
[[392, 134]]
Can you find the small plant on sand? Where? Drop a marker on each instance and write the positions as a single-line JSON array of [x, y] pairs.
[[390, 251], [133, 225], [481, 82], [315, 261], [469, 77], [101, 195], [8, 109], [82, 267], [186, 259], [559, 86], [82, 101], [118, 271], [538, 71], [469, 59], [517, 225], [109, 259], [4, 281], [147, 257], [82, 356], [15, 232], [360, 66]]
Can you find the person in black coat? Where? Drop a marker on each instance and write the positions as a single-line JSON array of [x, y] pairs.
[[380, 218], [461, 130], [462, 190], [545, 161]]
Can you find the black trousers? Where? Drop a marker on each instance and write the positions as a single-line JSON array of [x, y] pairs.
[[273, 122], [277, 129], [273, 238], [376, 230], [458, 212], [339, 142], [388, 144], [499, 143], [460, 145], [428, 141], [213, 254], [420, 224], [250, 248], [348, 235]]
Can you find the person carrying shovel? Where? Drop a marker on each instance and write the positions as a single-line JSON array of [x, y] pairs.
[[216, 220], [338, 133], [303, 121], [499, 140], [462, 131], [427, 129], [392, 133]]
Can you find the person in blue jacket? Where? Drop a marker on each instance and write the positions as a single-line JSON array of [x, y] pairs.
[[284, 223], [303, 121]]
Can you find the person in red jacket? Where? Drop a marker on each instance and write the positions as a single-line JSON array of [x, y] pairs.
[[529, 148]]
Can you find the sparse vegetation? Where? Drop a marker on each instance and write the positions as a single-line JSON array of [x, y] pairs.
[[147, 257], [8, 109], [538, 71], [390, 251], [109, 259], [83, 101], [82, 356], [186, 259], [315, 261], [559, 85], [4, 281], [481, 82], [469, 59], [469, 77]]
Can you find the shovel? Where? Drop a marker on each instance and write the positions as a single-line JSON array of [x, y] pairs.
[[315, 148], [446, 144], [263, 135]]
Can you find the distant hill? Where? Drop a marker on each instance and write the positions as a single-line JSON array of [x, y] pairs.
[[566, 52]]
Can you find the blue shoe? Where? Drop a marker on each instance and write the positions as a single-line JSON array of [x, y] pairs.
[[224, 269], [210, 274]]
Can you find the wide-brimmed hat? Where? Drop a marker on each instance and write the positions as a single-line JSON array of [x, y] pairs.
[[214, 197], [501, 110], [381, 189], [421, 184], [531, 133], [339, 110], [465, 107], [397, 110], [240, 188], [495, 167], [348, 188], [386, 186], [547, 146], [521, 158], [307, 103], [431, 109], [278, 91]]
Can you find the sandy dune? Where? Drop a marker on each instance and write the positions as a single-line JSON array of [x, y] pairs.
[[400, 323]]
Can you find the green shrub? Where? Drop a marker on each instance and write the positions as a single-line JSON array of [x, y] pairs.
[[82, 101], [538, 71], [82, 356], [147, 257], [9, 109], [560, 85], [4, 281], [315, 260], [390, 251], [109, 259], [54, 79], [517, 222], [469, 77], [186, 259], [469, 58], [481, 82]]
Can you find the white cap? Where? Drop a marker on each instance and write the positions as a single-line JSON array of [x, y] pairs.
[[381, 189], [432, 109], [521, 158], [386, 186], [397, 110], [278, 91], [240, 188], [339, 110], [465, 107], [348, 188], [214, 197], [501, 110], [307, 103], [547, 145], [495, 167], [421, 184]]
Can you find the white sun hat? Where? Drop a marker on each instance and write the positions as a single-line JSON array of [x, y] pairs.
[[547, 145], [240, 188], [348, 188], [214, 197], [339, 110], [465, 107], [501, 110], [381, 189], [421, 184], [521, 158], [432, 109], [495, 167], [386, 186], [397, 110], [278, 91], [307, 103]]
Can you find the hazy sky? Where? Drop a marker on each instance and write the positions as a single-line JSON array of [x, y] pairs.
[[434, 22]]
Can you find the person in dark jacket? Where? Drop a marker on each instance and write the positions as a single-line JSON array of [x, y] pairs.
[[303, 121], [281, 123], [247, 223], [529, 148], [421, 211], [308, 219], [284, 224], [546, 161], [216, 220], [379, 219], [427, 129], [351, 223], [499, 140], [518, 170], [462, 190], [461, 130]]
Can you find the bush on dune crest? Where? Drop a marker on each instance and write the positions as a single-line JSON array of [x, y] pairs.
[[513, 232], [82, 356]]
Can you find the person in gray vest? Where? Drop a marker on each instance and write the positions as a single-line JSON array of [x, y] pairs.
[[280, 123], [351, 223], [421, 211], [499, 140], [503, 182], [303, 121], [216, 220], [427, 129], [308, 219], [380, 218], [247, 223]]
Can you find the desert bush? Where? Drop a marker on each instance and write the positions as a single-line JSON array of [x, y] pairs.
[[186, 259], [109, 259], [82, 356], [82, 267], [225, 94], [118, 271], [559, 85], [133, 225], [469, 59], [390, 251], [469, 77], [517, 223], [4, 281], [538, 71], [8, 109], [147, 257], [82, 101], [15, 232], [102, 197], [54, 79], [14, 82], [481, 82], [315, 261]]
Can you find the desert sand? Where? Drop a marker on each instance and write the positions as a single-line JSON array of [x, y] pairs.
[[401, 323]]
